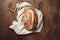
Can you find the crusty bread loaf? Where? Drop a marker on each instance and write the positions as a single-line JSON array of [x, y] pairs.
[[30, 19]]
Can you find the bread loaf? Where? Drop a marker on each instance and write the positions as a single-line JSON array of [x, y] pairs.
[[30, 19]]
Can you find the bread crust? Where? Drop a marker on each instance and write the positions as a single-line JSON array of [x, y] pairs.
[[30, 19]]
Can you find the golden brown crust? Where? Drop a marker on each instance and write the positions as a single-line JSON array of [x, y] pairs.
[[30, 19]]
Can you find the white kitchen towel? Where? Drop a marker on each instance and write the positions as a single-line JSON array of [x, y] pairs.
[[18, 27]]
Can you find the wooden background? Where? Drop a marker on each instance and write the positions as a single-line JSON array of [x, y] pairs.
[[51, 28]]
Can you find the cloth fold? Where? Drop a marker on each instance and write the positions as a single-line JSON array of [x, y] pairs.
[[18, 27]]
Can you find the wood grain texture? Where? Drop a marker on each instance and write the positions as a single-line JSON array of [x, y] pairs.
[[50, 10]]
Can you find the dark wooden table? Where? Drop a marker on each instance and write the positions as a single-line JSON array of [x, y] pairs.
[[51, 12]]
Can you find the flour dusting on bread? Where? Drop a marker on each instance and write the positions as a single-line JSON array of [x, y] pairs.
[[30, 19]]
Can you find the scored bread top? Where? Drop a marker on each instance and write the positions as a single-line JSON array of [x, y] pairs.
[[30, 19]]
